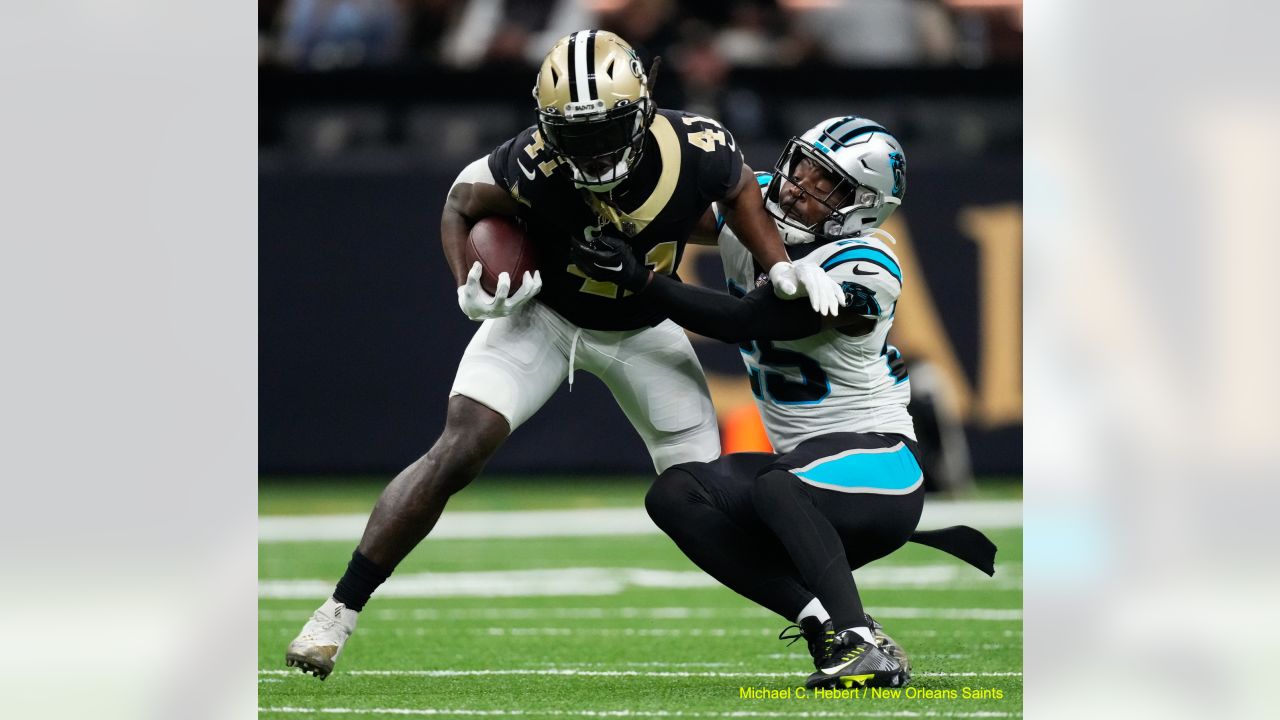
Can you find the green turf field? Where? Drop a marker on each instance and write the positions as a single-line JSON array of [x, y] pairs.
[[634, 629]]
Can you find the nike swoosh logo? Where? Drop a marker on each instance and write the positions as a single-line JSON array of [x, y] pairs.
[[602, 267], [527, 173], [856, 271]]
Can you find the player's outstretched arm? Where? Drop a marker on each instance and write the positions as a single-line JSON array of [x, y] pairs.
[[761, 315]]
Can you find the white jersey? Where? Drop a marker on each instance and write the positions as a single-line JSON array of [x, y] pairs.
[[828, 382]]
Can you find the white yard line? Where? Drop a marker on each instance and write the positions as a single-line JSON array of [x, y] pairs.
[[504, 583], [469, 525], [999, 614], [596, 613], [611, 581], [582, 672], [789, 657], [982, 514], [563, 632], [631, 713]]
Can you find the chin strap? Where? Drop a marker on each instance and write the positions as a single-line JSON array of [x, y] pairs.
[[595, 188], [651, 78], [794, 236], [601, 187], [623, 168]]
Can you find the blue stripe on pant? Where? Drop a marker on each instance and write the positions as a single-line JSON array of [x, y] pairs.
[[884, 471]]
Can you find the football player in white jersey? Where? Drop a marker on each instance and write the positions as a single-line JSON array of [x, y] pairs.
[[786, 529]]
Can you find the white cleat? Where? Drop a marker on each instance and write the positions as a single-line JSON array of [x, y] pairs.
[[317, 647]]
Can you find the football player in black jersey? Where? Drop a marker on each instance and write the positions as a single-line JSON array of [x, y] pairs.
[[602, 160]]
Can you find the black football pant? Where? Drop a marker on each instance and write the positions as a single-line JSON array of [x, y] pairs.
[[751, 522]]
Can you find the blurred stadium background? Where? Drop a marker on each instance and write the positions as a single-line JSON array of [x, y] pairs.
[[369, 108], [546, 574]]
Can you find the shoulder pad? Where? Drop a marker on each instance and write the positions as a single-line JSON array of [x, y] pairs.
[[533, 155], [854, 251]]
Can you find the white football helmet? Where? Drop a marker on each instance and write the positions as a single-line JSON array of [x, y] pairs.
[[866, 167]]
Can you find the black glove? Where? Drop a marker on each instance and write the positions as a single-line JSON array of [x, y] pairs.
[[609, 259]]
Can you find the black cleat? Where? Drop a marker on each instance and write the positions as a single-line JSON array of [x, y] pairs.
[[854, 662], [889, 645], [817, 635]]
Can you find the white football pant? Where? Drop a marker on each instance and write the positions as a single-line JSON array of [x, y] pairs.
[[513, 364]]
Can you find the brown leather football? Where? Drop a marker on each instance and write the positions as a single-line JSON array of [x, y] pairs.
[[501, 245]]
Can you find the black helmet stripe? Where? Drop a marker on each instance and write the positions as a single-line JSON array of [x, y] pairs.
[[830, 128], [573, 67], [861, 131], [592, 92], [582, 53], [839, 133]]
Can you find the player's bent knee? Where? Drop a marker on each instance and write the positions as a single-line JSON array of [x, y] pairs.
[[671, 496], [459, 459], [472, 434], [468, 418], [456, 464]]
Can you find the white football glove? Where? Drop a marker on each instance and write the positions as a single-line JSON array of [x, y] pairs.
[[791, 280], [480, 305], [783, 277]]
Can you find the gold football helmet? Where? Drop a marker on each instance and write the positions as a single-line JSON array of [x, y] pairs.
[[594, 107]]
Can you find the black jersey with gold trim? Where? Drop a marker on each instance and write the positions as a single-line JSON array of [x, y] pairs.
[[688, 162]]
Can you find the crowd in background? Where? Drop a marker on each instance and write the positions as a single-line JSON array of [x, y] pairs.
[[765, 68], [702, 39]]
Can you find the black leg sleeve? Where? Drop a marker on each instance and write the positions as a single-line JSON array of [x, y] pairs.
[[813, 544], [706, 509]]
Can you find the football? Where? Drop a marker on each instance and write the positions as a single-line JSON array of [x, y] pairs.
[[501, 245]]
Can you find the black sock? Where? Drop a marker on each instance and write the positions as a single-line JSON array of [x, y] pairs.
[[359, 581]]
